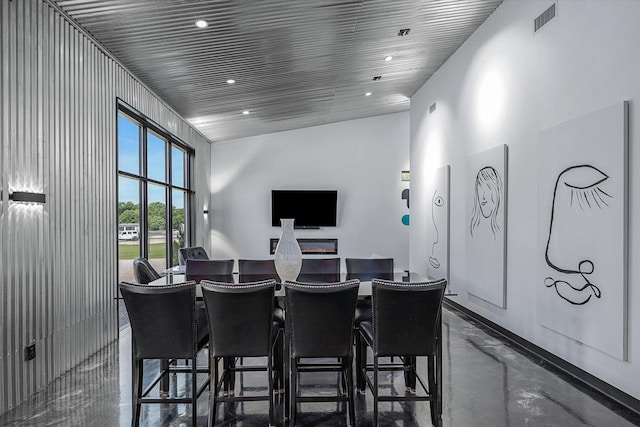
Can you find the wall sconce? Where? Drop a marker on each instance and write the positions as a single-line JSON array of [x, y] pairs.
[[206, 211], [406, 175], [27, 197]]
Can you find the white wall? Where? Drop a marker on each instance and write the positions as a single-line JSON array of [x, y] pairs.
[[362, 159], [503, 86]]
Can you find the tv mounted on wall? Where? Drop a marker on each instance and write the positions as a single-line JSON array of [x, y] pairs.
[[309, 208]]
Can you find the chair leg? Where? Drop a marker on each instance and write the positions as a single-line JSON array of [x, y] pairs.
[[375, 390], [194, 392], [293, 390], [358, 358], [213, 392], [270, 384], [137, 376], [363, 365], [352, 409], [431, 372]]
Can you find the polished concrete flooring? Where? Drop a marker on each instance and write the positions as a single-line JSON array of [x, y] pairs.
[[487, 382]]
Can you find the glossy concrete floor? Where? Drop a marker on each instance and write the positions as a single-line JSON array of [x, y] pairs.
[[487, 382]]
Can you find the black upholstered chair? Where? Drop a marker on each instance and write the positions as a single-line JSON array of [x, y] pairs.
[[240, 325], [220, 270], [253, 270], [194, 252], [365, 269], [320, 270], [165, 326], [406, 323], [319, 325], [144, 271]]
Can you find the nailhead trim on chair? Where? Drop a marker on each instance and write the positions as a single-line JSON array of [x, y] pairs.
[[223, 285], [321, 285]]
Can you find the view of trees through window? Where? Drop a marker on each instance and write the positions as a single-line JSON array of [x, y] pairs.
[[152, 174]]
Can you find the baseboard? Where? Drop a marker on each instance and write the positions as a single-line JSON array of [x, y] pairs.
[[590, 381]]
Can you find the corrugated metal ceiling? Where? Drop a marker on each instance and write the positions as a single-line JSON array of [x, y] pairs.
[[296, 63]]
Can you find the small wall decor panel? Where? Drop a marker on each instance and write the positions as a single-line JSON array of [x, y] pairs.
[[58, 260], [438, 225], [582, 229], [486, 225]]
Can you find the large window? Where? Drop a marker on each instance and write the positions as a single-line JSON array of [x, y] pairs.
[[153, 175]]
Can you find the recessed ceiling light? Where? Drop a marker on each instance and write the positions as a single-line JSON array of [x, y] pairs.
[[202, 23], [367, 94], [231, 81], [245, 112], [388, 58]]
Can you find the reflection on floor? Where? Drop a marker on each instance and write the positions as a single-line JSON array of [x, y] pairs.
[[487, 382]]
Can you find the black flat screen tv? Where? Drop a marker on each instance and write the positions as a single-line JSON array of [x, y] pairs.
[[309, 208]]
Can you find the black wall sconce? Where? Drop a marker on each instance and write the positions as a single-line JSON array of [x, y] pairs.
[[206, 211], [23, 196]]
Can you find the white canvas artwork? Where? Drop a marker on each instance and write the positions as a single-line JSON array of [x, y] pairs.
[[486, 225], [582, 236], [438, 225]]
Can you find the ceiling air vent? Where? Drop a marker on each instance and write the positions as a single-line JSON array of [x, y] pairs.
[[545, 17]]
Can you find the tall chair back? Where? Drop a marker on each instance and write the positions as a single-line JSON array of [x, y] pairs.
[[209, 269], [365, 269], [193, 252], [320, 318], [320, 270], [253, 270], [239, 310], [144, 271], [406, 317]]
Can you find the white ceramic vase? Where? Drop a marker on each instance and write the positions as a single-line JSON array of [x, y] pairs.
[[288, 256]]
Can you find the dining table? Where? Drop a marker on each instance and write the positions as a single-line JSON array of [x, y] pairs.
[[177, 275]]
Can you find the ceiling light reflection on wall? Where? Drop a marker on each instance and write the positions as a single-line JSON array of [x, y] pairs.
[[202, 23]]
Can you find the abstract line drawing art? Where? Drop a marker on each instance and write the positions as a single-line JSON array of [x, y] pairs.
[[488, 196], [577, 193], [438, 224], [437, 202], [486, 225], [582, 236]]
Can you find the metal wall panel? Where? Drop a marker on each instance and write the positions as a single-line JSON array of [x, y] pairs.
[[58, 261]]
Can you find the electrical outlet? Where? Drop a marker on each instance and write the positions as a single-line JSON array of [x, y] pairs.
[[30, 352]]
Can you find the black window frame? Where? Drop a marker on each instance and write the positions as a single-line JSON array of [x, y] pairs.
[[147, 125]]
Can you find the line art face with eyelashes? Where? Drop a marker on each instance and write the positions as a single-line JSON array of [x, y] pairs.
[[487, 199], [577, 193], [437, 202]]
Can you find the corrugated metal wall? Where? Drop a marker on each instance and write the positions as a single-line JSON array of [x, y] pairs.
[[58, 261]]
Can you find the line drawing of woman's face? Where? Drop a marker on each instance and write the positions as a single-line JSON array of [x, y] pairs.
[[488, 196], [486, 199]]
